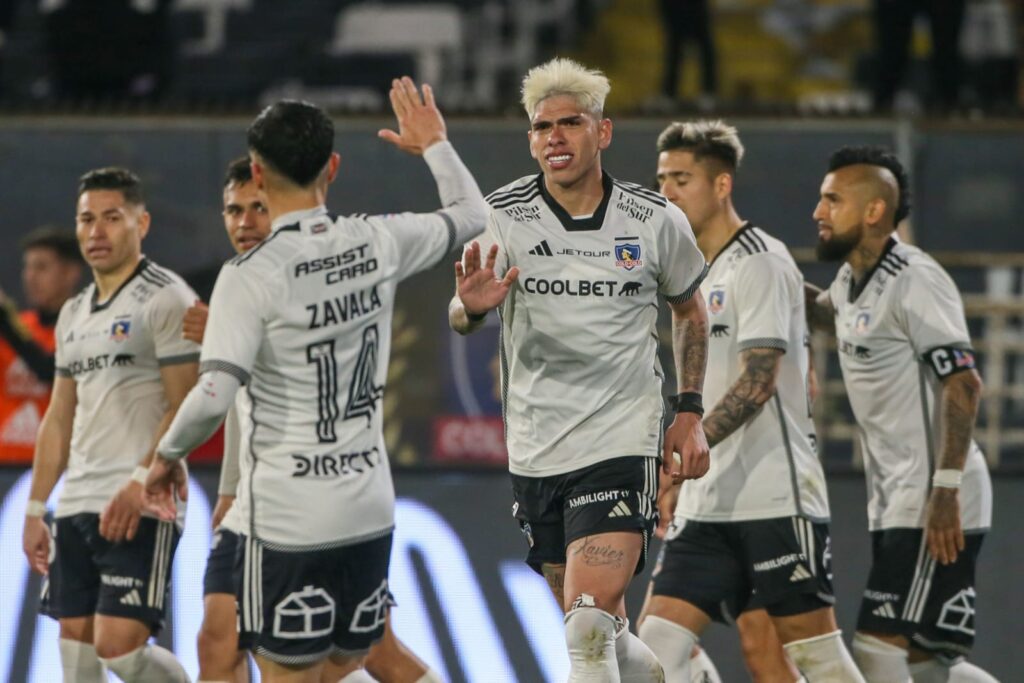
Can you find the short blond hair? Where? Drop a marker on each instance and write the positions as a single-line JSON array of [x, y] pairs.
[[563, 76], [714, 139]]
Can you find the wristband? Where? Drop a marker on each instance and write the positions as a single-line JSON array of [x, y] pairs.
[[35, 508], [475, 317], [947, 479], [687, 402], [139, 474]]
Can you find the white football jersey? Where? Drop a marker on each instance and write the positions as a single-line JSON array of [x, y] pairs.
[[303, 320], [897, 332], [114, 351], [768, 467], [581, 380]]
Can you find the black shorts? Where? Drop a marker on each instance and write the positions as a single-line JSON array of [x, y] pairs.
[[90, 575], [910, 594], [299, 607], [220, 566], [614, 495], [724, 568]]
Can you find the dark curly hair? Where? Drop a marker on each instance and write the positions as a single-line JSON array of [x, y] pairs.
[[874, 155]]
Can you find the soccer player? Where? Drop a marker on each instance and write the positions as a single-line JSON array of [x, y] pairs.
[[303, 321], [247, 224], [910, 375], [50, 274], [751, 537], [122, 370], [574, 261]]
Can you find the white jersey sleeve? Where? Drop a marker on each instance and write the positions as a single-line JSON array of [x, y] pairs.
[[230, 472], [486, 240], [682, 265], [764, 292], [165, 314], [234, 329], [60, 360], [423, 239], [931, 312]]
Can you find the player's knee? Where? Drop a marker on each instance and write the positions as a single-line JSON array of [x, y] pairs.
[[380, 660], [111, 648], [824, 658], [216, 646], [590, 633], [934, 671]]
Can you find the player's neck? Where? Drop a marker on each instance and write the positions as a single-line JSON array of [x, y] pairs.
[[282, 203], [109, 282], [865, 255], [582, 197], [718, 232]]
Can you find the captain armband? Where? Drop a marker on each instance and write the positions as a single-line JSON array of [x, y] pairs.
[[947, 360]]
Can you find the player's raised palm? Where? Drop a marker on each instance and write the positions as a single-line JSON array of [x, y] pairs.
[[477, 286], [420, 123]]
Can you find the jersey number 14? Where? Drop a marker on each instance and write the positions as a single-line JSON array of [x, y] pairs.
[[363, 392]]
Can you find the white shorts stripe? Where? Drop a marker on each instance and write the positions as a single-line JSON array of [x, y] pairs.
[[914, 596], [811, 557]]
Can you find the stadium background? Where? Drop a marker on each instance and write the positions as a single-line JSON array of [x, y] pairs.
[[183, 78]]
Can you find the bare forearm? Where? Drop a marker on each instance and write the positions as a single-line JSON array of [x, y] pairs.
[[459, 320], [751, 390], [961, 395], [690, 348], [820, 315], [51, 456]]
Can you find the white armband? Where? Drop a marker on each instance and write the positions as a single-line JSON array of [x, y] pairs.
[[947, 479]]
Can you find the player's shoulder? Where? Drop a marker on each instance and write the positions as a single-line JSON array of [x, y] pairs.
[[524, 190], [274, 251], [160, 277], [163, 286], [756, 245], [644, 195], [78, 301], [909, 264]]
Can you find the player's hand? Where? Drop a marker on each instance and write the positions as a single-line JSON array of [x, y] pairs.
[[166, 483], [685, 436], [942, 525], [193, 325], [668, 496], [120, 518], [420, 124], [224, 504], [475, 282], [35, 542]]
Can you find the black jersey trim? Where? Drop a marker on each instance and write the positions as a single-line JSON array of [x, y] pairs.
[[789, 455], [242, 258], [735, 236], [747, 241], [178, 360], [97, 307], [594, 222], [753, 234], [764, 343], [691, 290], [856, 289], [224, 366], [452, 236], [505, 202], [499, 195], [641, 192], [63, 372]]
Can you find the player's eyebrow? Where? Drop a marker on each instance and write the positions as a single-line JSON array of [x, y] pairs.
[[673, 174]]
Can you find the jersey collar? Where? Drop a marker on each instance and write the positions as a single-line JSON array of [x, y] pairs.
[[95, 307], [747, 225], [293, 218], [857, 288], [582, 224]]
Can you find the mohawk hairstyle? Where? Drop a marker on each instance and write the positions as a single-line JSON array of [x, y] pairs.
[[560, 76], [874, 155]]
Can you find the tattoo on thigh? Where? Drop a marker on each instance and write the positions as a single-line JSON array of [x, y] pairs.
[[554, 574], [598, 555]]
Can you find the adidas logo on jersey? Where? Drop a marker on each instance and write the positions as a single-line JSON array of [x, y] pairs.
[[542, 249], [885, 611], [620, 510], [131, 598], [799, 574]]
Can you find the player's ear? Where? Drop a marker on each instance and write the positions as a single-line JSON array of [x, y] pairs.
[[144, 219], [256, 169], [332, 166], [604, 133], [874, 211], [723, 185]]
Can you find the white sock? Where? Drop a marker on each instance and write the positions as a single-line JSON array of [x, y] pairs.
[[672, 644], [430, 677], [80, 663], [934, 671], [360, 675], [879, 661], [702, 669], [590, 637], [637, 664], [824, 658], [148, 664]]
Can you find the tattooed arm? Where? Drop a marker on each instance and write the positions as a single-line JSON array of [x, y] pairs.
[[961, 394], [750, 391], [690, 352], [820, 313]]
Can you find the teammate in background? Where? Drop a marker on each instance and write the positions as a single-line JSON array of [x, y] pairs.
[[910, 375], [247, 223], [50, 273], [122, 370], [574, 262], [304, 322], [750, 539]]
